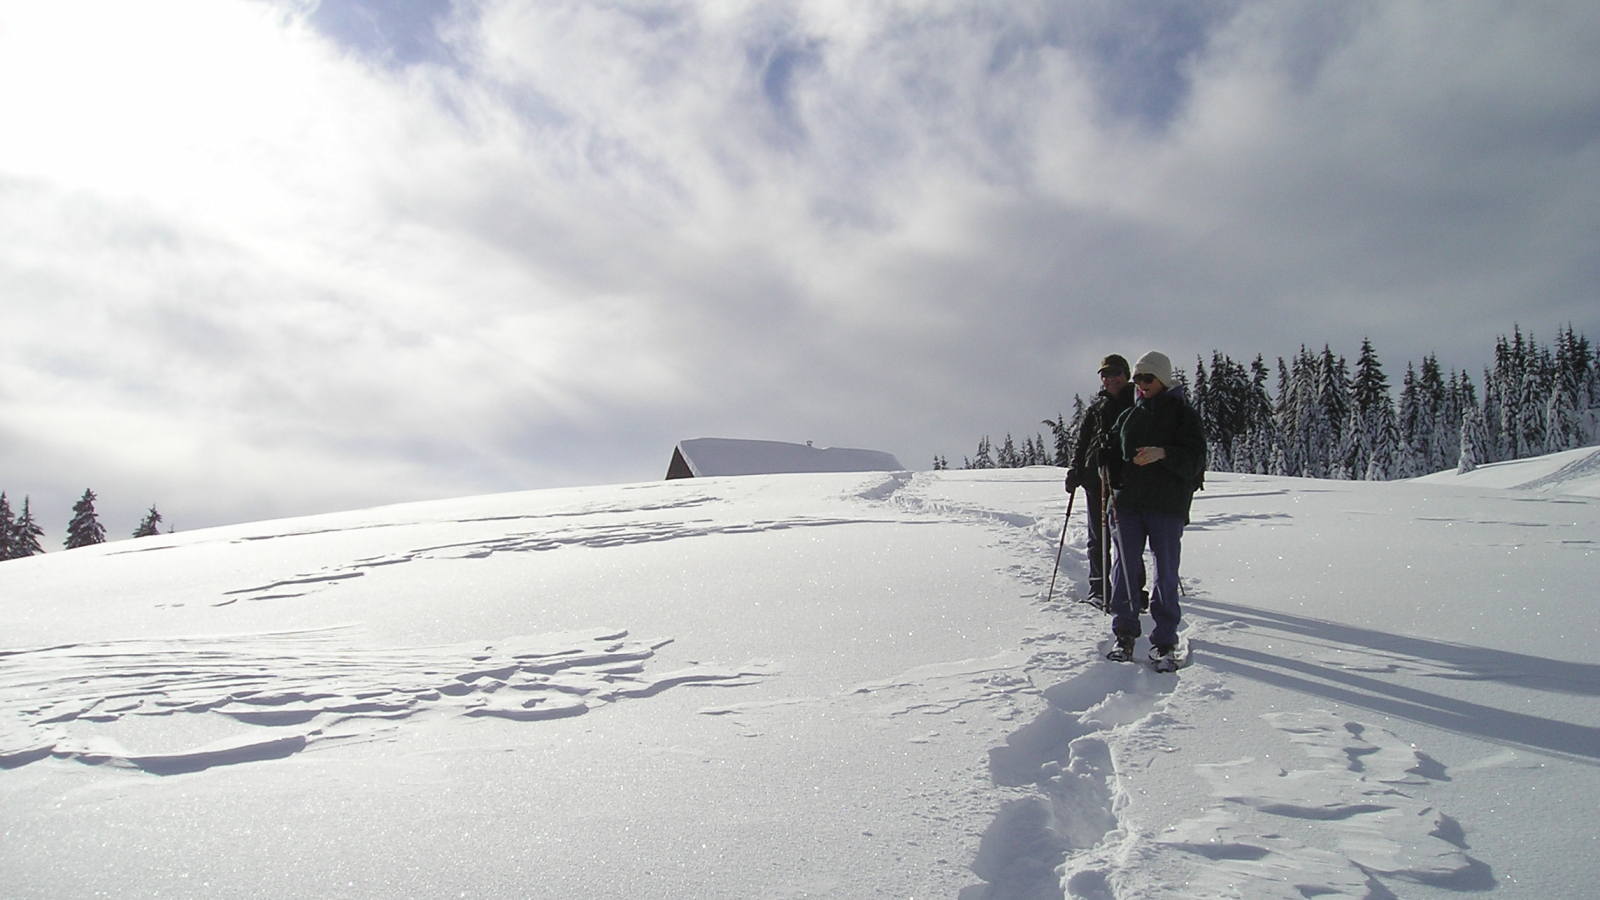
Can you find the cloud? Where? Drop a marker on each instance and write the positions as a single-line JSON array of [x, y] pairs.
[[264, 258], [392, 32]]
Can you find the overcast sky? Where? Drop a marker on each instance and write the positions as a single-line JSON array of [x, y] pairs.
[[268, 257]]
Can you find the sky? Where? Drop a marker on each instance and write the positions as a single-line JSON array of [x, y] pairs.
[[274, 257]]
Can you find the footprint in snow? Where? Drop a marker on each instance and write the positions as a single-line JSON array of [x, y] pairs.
[[1350, 820], [1064, 756]]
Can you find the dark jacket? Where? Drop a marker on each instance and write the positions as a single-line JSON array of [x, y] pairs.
[[1098, 434], [1168, 484]]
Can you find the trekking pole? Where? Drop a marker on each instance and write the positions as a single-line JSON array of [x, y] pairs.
[[1105, 539], [1071, 496]]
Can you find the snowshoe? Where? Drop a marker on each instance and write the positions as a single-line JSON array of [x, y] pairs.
[[1169, 659], [1122, 650]]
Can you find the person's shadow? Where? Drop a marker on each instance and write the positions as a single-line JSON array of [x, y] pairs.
[[1358, 686]]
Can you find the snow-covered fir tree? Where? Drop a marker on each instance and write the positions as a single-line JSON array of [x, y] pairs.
[[147, 525], [85, 528], [8, 522], [1237, 414], [1008, 458], [1372, 439], [1436, 421], [1570, 392], [1415, 433], [25, 533], [1316, 394], [984, 459], [1262, 435], [1474, 440], [1333, 395], [1034, 452], [1064, 435], [1460, 396], [1286, 461]]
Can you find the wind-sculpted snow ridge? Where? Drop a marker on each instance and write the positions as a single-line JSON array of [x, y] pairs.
[[593, 536], [276, 531], [281, 693]]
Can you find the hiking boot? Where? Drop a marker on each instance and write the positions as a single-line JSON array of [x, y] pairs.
[[1162, 658], [1123, 651]]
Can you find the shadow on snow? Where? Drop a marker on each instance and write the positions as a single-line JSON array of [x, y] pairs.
[[1460, 662]]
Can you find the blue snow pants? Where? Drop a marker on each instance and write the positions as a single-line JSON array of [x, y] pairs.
[[1164, 533]]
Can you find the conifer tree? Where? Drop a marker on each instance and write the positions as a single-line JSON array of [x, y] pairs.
[[25, 533], [1333, 396], [1064, 434], [1436, 442], [1416, 427], [85, 528], [1315, 398], [1007, 458], [1569, 392], [147, 525], [1284, 411], [8, 527], [1374, 444], [1445, 453], [1562, 427], [1216, 455], [1474, 440], [1074, 428], [985, 458], [1261, 429], [1533, 388]]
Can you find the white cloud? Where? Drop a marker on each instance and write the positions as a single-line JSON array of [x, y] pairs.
[[540, 242]]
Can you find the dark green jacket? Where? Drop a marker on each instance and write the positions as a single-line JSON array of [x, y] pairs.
[[1097, 433], [1168, 484]]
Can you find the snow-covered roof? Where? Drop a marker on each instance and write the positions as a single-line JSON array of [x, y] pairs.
[[703, 457]]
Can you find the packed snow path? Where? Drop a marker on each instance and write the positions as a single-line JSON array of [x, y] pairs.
[[813, 686]]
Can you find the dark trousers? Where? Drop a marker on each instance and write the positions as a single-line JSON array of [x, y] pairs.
[[1134, 528], [1091, 493]]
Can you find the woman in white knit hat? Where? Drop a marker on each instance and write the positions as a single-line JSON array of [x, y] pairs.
[[1161, 463]]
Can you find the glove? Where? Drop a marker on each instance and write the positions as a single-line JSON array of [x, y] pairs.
[[1074, 480]]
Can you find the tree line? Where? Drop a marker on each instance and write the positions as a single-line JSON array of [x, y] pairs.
[[1322, 419], [20, 532]]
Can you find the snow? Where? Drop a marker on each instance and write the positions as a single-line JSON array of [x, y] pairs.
[[814, 685], [731, 456], [1570, 472]]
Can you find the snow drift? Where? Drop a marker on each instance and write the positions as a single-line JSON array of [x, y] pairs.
[[823, 685]]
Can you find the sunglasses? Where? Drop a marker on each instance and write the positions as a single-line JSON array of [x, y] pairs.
[[1144, 378]]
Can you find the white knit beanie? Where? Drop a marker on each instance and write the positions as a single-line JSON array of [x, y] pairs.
[[1156, 364]]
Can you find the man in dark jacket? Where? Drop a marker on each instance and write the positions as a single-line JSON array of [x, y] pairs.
[[1161, 462], [1096, 445]]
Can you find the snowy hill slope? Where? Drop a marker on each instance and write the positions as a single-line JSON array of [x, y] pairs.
[[1570, 472], [809, 686]]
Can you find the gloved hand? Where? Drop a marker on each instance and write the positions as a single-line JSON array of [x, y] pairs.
[[1074, 480]]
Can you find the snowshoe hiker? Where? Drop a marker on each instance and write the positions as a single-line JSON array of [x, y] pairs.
[[1160, 463], [1097, 441]]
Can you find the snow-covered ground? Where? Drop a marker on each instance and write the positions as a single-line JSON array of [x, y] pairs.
[[840, 685]]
